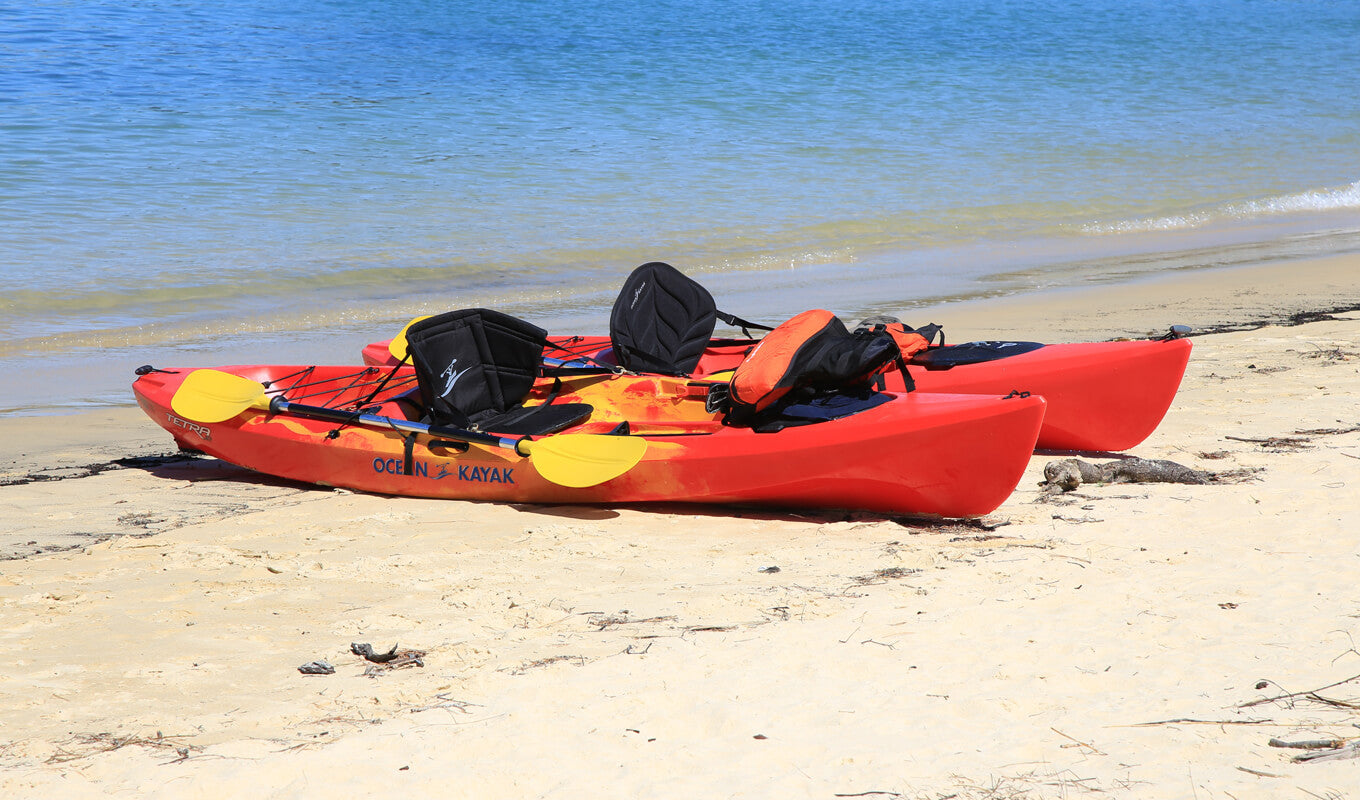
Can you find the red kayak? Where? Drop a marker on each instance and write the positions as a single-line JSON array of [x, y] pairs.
[[906, 453], [1102, 396]]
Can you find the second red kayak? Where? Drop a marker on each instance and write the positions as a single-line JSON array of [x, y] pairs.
[[1102, 396]]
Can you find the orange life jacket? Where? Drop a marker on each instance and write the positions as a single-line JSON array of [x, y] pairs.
[[809, 353]]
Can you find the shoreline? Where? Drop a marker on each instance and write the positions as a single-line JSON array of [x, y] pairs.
[[1284, 293], [1134, 640], [59, 377]]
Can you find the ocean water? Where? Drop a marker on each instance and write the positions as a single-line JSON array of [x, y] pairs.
[[187, 183]]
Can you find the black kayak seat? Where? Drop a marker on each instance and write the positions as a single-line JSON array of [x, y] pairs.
[[663, 320], [475, 367]]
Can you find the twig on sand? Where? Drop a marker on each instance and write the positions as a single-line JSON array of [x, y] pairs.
[[356, 721], [445, 702], [1298, 440], [1190, 721], [108, 742], [1310, 694], [1275, 442], [883, 576], [1328, 431], [609, 621], [1077, 520], [1079, 743], [543, 662]]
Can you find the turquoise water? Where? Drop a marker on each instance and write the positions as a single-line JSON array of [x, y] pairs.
[[191, 183]]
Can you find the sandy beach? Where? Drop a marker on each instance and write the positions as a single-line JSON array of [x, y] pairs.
[[1125, 640]]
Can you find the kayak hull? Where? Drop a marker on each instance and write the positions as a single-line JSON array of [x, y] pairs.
[[1102, 396], [929, 454]]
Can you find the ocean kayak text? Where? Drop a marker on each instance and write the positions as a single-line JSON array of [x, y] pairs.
[[465, 472]]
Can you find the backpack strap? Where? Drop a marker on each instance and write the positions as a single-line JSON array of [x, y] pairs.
[[737, 322]]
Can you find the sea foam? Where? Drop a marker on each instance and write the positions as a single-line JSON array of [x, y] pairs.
[[1317, 200]]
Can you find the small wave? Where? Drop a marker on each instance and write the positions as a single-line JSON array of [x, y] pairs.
[[1334, 199]]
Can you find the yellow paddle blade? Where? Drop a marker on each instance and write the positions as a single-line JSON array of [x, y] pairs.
[[582, 459], [208, 395], [397, 347]]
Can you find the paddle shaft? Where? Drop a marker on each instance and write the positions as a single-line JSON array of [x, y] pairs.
[[278, 405]]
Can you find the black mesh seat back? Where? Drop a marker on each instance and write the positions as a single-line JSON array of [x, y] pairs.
[[661, 321], [474, 364]]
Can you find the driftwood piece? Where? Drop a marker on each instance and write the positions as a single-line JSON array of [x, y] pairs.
[[366, 650], [386, 662], [1351, 750], [1308, 744], [1069, 473]]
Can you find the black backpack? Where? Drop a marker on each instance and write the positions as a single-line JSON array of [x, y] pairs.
[[476, 366], [811, 369]]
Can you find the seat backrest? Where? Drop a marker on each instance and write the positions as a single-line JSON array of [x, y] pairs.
[[661, 321], [474, 364]]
